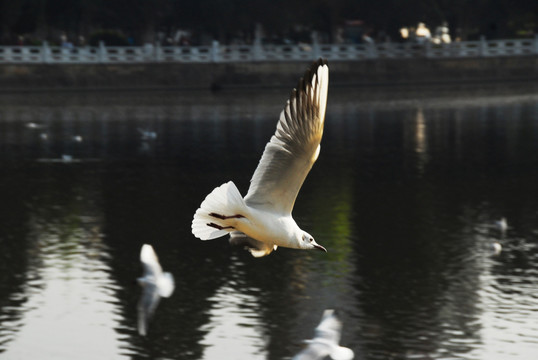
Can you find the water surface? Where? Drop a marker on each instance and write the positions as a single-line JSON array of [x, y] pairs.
[[404, 196]]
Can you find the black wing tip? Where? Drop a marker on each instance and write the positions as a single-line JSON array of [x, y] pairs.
[[313, 69], [319, 62], [306, 79], [309, 74]]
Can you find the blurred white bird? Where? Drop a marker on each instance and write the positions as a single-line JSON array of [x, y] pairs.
[[265, 213], [155, 284], [326, 341], [147, 134], [33, 125], [67, 158], [502, 224]]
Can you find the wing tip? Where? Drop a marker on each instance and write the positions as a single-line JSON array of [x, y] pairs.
[[148, 254], [311, 72], [312, 88], [315, 77]]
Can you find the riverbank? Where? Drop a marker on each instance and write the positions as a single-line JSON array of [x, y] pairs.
[[203, 76]]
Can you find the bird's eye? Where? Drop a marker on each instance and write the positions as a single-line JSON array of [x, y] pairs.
[[311, 239]]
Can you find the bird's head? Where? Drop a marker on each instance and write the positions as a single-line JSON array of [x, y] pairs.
[[306, 241]]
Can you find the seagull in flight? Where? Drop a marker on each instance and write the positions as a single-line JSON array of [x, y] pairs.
[[325, 342], [155, 284], [262, 219]]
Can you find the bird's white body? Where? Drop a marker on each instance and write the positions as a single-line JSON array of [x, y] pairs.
[[268, 227], [264, 214], [33, 125]]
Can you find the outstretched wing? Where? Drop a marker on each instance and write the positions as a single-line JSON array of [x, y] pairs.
[[146, 306], [293, 149], [150, 261], [329, 327]]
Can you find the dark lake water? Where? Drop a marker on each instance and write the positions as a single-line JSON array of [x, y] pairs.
[[404, 196]]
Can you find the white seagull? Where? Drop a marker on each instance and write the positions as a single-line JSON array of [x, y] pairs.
[[147, 134], [155, 284], [33, 125], [326, 340], [264, 215]]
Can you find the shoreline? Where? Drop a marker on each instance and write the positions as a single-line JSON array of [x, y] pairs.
[[264, 75], [255, 101]]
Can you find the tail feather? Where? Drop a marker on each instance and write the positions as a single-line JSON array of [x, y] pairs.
[[224, 200]]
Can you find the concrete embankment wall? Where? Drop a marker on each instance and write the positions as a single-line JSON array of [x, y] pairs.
[[264, 74]]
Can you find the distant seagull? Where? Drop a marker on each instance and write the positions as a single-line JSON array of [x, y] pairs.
[[77, 138], [265, 212], [155, 284], [501, 224], [35, 126], [326, 340], [147, 135], [67, 158]]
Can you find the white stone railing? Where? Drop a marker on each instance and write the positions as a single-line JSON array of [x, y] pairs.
[[259, 52]]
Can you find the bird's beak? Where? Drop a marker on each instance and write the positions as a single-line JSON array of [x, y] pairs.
[[319, 247]]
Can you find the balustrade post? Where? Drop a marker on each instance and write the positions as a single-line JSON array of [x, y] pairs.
[[315, 45], [158, 52], [215, 51], [257, 50], [102, 52], [45, 52], [483, 46], [428, 49], [371, 50]]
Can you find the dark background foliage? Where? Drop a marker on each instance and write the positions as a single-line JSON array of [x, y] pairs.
[[141, 21]]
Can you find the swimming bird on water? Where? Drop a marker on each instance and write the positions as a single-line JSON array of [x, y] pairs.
[[263, 217], [33, 125], [326, 340], [155, 284], [502, 224], [147, 134]]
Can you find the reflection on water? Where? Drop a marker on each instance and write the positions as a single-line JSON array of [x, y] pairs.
[[67, 301], [404, 196], [234, 330]]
